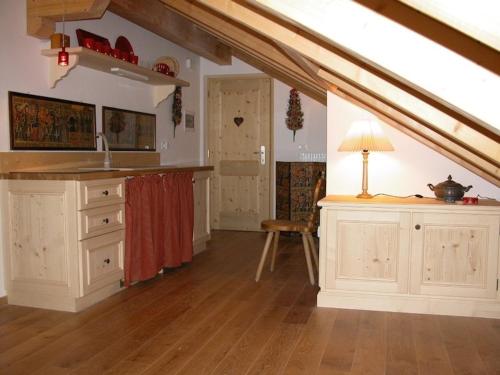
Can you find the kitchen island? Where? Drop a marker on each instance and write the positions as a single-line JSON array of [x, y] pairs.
[[66, 229]]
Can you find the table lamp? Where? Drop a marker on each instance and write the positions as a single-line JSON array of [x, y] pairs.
[[365, 136]]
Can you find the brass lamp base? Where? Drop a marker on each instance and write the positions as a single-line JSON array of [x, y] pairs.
[[364, 195], [364, 186]]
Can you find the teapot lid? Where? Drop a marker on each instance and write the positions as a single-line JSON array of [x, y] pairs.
[[449, 183]]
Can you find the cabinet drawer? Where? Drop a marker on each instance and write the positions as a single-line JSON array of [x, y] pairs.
[[98, 193], [102, 260], [101, 220]]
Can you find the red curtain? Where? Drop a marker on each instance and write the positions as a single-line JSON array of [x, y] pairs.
[[159, 219]]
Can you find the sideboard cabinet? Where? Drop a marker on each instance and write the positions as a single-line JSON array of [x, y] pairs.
[[410, 255]]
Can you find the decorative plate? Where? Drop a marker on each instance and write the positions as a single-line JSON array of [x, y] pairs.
[[123, 45], [172, 63], [82, 34]]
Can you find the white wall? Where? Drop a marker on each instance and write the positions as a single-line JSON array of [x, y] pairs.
[[405, 171], [23, 69]]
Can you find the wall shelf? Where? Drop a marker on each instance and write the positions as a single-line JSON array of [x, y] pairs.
[[163, 85]]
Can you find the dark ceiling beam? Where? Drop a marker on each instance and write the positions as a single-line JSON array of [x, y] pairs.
[[153, 16], [250, 47]]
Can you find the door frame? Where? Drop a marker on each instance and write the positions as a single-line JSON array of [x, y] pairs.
[[271, 158]]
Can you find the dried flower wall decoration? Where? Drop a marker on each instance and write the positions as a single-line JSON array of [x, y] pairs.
[[295, 116], [177, 107]]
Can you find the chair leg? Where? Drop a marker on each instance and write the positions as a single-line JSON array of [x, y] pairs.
[[264, 254], [308, 257], [275, 248], [312, 247]]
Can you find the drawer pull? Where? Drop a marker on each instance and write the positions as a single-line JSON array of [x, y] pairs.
[[105, 192], [417, 227], [105, 221], [107, 261]]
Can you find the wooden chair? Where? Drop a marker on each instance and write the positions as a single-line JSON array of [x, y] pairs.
[[274, 227]]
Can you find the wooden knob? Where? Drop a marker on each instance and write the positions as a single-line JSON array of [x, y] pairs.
[[107, 261], [105, 221], [105, 192], [417, 227]]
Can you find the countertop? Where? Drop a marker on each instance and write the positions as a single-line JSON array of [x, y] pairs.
[[93, 173], [381, 201]]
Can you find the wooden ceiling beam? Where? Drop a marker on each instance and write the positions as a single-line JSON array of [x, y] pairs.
[[250, 47], [153, 16], [307, 66], [437, 31], [415, 128], [42, 15], [328, 54]]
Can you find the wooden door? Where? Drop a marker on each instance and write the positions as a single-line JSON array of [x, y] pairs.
[[367, 250], [454, 255], [239, 144]]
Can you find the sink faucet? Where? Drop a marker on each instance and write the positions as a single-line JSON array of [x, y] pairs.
[[107, 155]]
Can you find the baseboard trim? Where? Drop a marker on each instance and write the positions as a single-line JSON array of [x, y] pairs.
[[410, 304]]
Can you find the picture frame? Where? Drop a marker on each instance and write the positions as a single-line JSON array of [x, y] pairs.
[[43, 123], [129, 130], [189, 121]]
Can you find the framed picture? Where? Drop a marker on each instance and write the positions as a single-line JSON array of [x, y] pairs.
[[189, 121], [128, 130], [40, 123]]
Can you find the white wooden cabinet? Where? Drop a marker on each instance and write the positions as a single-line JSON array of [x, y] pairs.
[[65, 242], [417, 255], [201, 192]]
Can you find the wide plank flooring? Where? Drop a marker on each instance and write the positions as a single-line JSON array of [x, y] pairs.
[[210, 317]]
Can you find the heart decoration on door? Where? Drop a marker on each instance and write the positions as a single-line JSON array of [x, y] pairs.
[[238, 121]]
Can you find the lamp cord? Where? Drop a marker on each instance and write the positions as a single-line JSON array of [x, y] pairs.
[[421, 196], [399, 196]]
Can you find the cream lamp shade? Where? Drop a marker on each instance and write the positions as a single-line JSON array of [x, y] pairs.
[[365, 136]]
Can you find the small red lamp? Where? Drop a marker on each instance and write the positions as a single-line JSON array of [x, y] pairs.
[[63, 56]]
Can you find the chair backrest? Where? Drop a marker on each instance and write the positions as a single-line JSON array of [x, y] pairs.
[[318, 189]]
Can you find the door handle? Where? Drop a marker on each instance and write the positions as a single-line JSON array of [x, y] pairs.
[[262, 155]]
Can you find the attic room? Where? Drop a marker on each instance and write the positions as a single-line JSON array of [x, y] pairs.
[[254, 187]]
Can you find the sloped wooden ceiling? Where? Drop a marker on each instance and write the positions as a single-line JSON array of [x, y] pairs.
[[314, 64], [427, 118]]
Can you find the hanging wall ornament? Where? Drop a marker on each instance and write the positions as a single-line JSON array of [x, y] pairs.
[[294, 115], [177, 107]]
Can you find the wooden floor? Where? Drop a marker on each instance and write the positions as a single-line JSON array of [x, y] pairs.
[[212, 318]]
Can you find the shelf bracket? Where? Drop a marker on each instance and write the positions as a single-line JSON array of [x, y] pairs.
[[160, 93], [56, 72]]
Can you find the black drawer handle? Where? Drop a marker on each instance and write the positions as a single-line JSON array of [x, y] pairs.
[[417, 227], [107, 261], [105, 221], [105, 192]]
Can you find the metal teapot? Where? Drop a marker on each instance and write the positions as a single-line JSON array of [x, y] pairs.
[[449, 191]]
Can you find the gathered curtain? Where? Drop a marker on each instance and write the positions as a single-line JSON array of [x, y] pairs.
[[159, 220]]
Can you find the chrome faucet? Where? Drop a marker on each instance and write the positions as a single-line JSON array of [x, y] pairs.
[[107, 155]]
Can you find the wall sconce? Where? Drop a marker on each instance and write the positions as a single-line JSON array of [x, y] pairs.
[[365, 136]]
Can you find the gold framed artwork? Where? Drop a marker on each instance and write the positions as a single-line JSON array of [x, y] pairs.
[[41, 123], [129, 130]]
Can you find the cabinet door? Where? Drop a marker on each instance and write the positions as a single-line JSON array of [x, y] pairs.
[[454, 255], [366, 250], [102, 260], [201, 230]]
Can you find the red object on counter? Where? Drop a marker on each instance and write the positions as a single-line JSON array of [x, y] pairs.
[[470, 200], [134, 59], [159, 221], [116, 53], [88, 43]]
